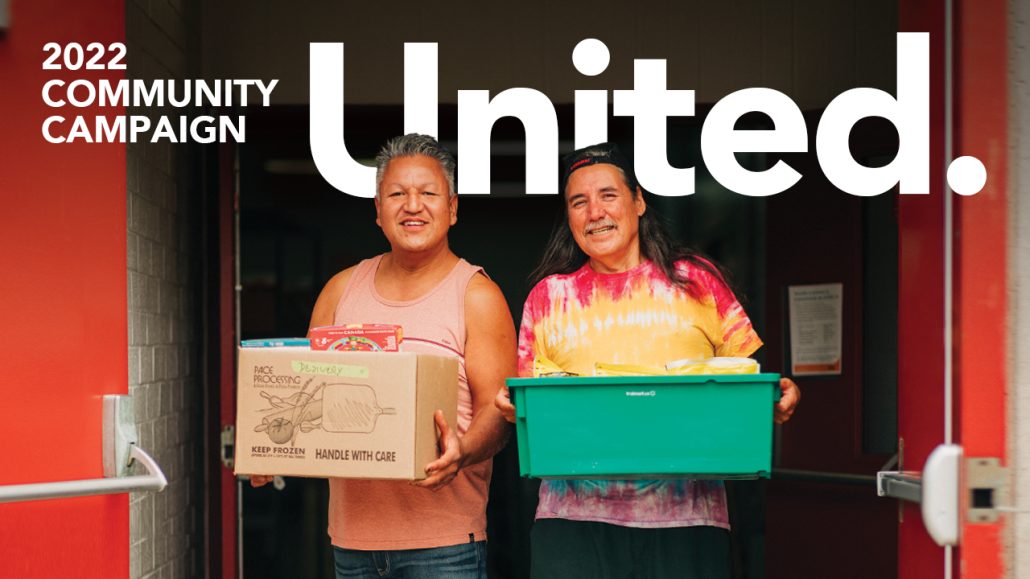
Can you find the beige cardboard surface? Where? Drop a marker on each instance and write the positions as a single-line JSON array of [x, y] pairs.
[[342, 414], [434, 392]]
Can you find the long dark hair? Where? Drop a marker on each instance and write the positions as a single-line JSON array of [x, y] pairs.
[[563, 255]]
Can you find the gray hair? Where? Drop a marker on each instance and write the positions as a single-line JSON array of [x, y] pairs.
[[415, 144]]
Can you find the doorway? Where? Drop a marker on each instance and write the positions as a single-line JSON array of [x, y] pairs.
[[296, 232]]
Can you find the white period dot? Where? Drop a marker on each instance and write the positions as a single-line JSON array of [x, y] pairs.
[[967, 175], [591, 57]]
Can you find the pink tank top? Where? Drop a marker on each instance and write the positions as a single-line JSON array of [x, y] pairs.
[[377, 515]]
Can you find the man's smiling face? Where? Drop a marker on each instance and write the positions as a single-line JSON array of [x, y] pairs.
[[604, 216], [414, 206]]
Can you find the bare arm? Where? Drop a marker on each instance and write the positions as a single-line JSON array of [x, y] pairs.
[[489, 359]]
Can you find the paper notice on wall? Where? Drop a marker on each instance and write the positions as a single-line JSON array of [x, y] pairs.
[[815, 329]]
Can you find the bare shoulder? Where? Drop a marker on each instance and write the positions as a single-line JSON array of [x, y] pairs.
[[325, 306], [482, 292], [490, 337], [339, 281], [484, 302]]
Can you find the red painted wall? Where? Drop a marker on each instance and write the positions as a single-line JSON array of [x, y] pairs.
[[62, 303]]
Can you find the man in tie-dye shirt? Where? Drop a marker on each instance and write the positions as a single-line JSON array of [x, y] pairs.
[[613, 288]]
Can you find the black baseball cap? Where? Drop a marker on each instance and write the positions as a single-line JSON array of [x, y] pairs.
[[602, 153]]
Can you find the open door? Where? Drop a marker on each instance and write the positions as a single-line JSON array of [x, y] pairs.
[[64, 306], [948, 270], [222, 307], [953, 284]]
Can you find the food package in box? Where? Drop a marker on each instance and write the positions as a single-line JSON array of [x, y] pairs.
[[357, 338], [717, 365], [687, 367], [602, 369], [546, 368]]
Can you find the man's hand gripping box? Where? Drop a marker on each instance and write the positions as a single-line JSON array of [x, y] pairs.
[[341, 414]]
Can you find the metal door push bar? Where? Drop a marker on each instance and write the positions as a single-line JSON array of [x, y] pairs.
[[120, 452]]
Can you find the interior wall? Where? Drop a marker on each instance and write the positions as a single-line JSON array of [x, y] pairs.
[[810, 50], [166, 528]]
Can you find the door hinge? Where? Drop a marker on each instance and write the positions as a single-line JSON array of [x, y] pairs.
[[989, 492], [228, 445]]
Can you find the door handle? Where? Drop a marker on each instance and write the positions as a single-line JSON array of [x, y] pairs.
[[120, 451], [940, 494], [936, 490]]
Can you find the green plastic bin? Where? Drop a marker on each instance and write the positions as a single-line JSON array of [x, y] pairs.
[[706, 426]]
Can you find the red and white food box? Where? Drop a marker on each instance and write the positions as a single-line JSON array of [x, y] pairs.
[[357, 338]]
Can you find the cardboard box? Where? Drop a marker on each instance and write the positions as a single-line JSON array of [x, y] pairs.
[[313, 413]]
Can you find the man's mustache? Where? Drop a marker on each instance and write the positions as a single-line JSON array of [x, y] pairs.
[[593, 226]]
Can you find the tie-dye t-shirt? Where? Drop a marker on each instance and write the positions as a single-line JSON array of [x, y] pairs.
[[633, 317]]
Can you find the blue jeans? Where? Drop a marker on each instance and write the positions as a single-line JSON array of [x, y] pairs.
[[463, 561]]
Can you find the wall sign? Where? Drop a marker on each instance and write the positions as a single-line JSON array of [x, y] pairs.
[[815, 329]]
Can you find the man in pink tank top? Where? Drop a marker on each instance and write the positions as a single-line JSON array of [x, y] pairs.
[[434, 527]]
